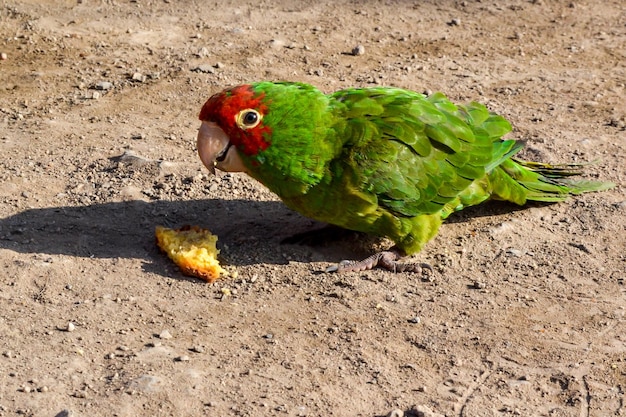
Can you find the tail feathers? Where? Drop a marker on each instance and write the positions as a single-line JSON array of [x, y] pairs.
[[551, 170], [540, 182]]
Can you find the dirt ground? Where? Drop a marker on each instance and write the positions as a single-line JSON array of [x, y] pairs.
[[524, 316]]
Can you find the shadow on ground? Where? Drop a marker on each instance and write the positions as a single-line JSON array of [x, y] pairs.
[[126, 229]]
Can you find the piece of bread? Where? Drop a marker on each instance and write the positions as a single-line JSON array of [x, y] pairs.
[[192, 249]]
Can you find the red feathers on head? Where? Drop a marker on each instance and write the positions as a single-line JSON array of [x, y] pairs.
[[223, 108]]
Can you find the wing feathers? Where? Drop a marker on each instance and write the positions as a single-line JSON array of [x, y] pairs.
[[418, 153]]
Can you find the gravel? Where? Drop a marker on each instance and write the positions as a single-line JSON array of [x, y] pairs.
[[358, 50], [165, 334], [104, 85]]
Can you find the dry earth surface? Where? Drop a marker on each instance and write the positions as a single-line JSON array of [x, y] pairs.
[[524, 316]]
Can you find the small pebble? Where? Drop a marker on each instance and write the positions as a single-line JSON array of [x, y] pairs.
[[479, 285], [277, 43], [95, 95], [197, 349], [182, 358], [396, 413], [219, 65], [165, 334], [79, 394], [358, 50], [139, 77], [415, 320], [424, 411], [65, 413], [205, 68], [455, 22], [70, 327], [515, 252], [104, 85], [3, 56]]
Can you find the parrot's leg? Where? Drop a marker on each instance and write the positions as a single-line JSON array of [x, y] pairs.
[[385, 259]]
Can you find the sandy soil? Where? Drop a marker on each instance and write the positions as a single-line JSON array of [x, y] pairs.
[[525, 314]]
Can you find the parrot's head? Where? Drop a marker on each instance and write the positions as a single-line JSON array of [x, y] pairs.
[[232, 128], [278, 133]]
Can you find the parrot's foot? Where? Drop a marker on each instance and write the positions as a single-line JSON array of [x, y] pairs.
[[384, 259]]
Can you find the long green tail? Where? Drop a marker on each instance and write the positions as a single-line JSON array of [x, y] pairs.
[[519, 181]]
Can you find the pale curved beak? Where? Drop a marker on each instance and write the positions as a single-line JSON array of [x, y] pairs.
[[216, 150]]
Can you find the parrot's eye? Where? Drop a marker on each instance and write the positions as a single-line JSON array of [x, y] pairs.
[[248, 118]]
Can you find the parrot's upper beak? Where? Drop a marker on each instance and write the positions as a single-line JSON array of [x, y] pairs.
[[216, 150]]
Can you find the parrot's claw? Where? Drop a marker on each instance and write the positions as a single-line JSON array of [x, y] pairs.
[[385, 259]]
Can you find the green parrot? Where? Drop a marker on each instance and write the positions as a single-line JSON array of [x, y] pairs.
[[385, 161]]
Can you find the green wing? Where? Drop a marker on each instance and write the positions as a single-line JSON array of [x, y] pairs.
[[418, 154]]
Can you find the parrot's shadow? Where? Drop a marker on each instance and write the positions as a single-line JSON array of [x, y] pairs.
[[126, 230], [249, 232], [492, 208]]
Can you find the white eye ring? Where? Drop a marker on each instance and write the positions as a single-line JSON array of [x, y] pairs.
[[248, 119]]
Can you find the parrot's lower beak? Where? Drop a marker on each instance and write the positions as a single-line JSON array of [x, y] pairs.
[[216, 150]]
